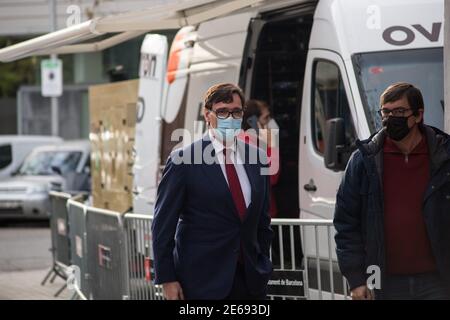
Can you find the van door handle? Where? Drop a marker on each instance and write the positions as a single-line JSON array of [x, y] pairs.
[[310, 186]]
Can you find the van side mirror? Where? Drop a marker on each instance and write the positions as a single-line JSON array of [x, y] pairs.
[[336, 152]]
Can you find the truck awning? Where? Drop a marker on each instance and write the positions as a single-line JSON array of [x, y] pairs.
[[115, 29]]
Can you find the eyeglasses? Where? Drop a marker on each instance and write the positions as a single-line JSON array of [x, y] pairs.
[[397, 112], [224, 113]]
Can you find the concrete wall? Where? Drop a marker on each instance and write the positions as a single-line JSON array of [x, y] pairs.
[[8, 116], [34, 115]]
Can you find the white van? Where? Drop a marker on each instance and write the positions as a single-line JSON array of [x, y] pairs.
[[320, 65], [316, 63], [14, 149]]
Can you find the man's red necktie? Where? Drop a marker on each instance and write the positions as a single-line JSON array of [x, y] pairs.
[[236, 193], [234, 185]]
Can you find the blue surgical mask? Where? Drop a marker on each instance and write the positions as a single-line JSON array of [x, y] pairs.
[[228, 128]]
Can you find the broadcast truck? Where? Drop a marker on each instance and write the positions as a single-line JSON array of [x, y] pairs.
[[318, 64]]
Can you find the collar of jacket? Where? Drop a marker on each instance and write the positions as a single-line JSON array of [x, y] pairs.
[[437, 140]]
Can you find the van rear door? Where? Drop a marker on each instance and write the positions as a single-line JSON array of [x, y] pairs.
[[216, 58], [148, 121], [175, 88]]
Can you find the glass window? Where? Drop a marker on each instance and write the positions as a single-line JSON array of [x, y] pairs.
[[87, 165], [329, 101], [41, 163], [421, 67], [5, 155]]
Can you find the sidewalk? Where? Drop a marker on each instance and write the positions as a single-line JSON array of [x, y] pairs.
[[26, 285]]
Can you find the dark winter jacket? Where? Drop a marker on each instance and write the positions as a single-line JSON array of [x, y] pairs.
[[358, 216]]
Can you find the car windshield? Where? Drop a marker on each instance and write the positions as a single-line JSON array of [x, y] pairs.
[[41, 163], [421, 67]]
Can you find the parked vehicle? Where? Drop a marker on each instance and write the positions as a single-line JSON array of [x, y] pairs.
[[14, 149], [61, 167], [312, 64]]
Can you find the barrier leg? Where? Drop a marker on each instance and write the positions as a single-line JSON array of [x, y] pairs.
[[54, 277], [47, 276], [60, 290], [60, 272]]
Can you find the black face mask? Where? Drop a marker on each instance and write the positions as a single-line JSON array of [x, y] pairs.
[[396, 127]]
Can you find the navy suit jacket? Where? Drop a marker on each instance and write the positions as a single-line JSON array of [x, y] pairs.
[[197, 232]]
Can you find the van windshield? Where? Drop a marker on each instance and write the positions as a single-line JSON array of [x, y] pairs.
[[41, 163], [421, 67]]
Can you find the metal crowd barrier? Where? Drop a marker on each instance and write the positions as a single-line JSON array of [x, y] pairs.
[[60, 243], [308, 245], [115, 255], [300, 247], [78, 245], [59, 220], [140, 258], [106, 255]]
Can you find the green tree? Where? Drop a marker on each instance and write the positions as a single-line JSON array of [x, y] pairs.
[[16, 73]]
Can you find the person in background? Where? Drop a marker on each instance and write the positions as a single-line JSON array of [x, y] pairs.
[[255, 131]]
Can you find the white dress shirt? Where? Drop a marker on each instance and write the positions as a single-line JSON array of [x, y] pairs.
[[238, 164]]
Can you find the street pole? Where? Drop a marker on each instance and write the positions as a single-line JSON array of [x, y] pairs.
[[54, 100], [447, 66]]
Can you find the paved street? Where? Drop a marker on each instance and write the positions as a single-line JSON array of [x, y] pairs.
[[24, 246], [24, 261]]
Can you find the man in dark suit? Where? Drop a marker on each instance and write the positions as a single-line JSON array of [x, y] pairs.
[[211, 228]]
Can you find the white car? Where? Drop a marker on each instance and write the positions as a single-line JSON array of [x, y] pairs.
[[61, 167], [14, 149]]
